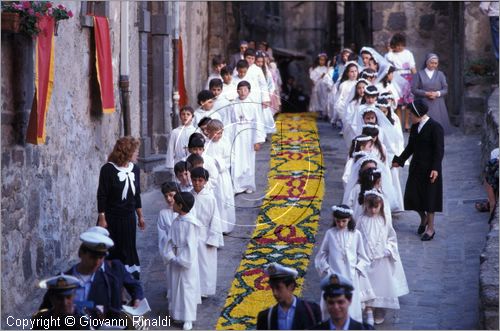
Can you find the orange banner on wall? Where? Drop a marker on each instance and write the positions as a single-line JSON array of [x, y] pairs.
[[44, 80], [104, 63]]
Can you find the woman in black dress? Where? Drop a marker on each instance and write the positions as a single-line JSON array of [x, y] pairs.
[[119, 200], [424, 187]]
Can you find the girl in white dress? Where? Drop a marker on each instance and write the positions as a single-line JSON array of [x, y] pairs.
[[267, 112], [352, 109], [363, 162], [386, 272], [380, 150], [346, 90], [368, 179], [370, 75], [361, 143], [318, 96], [385, 84], [342, 252]]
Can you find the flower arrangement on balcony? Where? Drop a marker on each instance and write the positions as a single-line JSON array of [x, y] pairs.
[[22, 16]]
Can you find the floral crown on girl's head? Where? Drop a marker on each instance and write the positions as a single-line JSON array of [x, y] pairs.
[[371, 90], [363, 138], [363, 80], [342, 210], [368, 157], [374, 192], [368, 125], [386, 96], [369, 110], [362, 153]]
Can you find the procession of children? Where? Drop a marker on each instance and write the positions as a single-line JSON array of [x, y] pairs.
[[211, 155], [212, 158]]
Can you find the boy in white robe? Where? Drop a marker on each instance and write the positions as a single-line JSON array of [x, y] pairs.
[[210, 233], [220, 149], [178, 141], [254, 74], [257, 91], [206, 102], [196, 146], [228, 88], [165, 219], [247, 141], [218, 63], [181, 252], [183, 176], [221, 103]]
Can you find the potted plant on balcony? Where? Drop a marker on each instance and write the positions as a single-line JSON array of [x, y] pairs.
[[22, 16]]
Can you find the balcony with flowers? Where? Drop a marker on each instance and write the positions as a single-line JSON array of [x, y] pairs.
[[23, 16]]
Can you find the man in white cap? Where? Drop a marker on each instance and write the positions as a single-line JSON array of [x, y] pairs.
[[102, 282], [290, 313], [61, 294], [337, 292]]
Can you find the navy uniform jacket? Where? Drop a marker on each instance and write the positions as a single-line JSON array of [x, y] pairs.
[[353, 325], [307, 314], [106, 288]]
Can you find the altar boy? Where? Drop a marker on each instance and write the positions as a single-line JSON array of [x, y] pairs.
[[248, 137], [181, 253], [210, 234]]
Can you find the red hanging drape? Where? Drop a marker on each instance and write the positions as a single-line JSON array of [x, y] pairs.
[[183, 99], [104, 63], [44, 80]]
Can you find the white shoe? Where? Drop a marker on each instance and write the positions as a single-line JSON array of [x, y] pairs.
[[379, 315], [249, 191], [187, 326], [369, 317]]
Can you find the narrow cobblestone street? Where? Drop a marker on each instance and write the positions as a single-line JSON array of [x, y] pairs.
[[442, 274]]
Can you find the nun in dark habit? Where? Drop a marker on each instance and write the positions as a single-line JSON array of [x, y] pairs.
[[424, 187]]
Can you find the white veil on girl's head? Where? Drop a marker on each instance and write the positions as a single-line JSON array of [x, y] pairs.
[[388, 133], [386, 178], [383, 68]]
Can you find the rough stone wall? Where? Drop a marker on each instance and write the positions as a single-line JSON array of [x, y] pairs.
[[477, 32], [477, 53], [488, 279], [425, 24], [49, 191], [304, 30], [488, 275], [489, 139], [222, 34], [194, 32]]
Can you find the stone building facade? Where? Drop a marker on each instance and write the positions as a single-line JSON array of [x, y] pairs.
[[457, 31], [49, 190], [460, 34]]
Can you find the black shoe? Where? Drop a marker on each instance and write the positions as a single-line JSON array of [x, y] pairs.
[[426, 237], [421, 229]]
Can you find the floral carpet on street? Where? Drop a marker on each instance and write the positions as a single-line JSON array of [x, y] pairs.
[[287, 222]]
